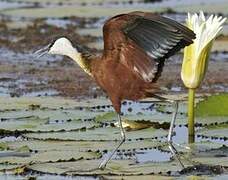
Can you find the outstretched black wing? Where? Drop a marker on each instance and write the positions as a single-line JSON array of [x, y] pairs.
[[153, 39]]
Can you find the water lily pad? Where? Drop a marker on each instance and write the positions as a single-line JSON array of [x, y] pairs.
[[10, 168], [25, 152], [215, 105], [108, 116], [167, 107], [219, 131], [49, 156], [130, 125], [115, 167], [222, 161], [99, 134], [82, 11], [141, 177], [82, 146], [3, 146], [157, 117], [35, 124], [211, 120], [23, 103]]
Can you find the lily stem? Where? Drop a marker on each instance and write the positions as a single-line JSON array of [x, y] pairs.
[[191, 116]]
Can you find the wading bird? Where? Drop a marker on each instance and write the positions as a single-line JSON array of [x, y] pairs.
[[135, 48]]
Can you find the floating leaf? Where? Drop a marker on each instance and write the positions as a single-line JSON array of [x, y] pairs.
[[223, 161], [106, 117], [215, 105], [211, 120], [83, 146], [141, 177], [115, 167], [168, 108], [99, 134], [3, 146], [141, 124], [215, 131], [35, 124], [50, 156], [10, 168]]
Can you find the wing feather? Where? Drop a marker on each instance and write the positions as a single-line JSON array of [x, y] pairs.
[[143, 41]]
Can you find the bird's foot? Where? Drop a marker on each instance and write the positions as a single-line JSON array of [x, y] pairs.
[[175, 153]]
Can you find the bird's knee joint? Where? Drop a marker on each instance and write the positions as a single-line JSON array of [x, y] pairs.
[[170, 141], [123, 139]]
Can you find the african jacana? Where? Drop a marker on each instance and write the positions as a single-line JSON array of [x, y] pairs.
[[135, 48]]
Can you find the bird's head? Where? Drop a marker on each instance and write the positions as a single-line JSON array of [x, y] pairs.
[[61, 46]]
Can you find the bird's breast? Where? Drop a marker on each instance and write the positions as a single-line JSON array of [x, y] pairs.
[[118, 81]]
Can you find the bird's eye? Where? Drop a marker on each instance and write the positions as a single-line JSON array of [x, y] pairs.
[[51, 44]]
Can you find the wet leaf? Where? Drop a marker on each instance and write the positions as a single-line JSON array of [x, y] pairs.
[[48, 156], [167, 107], [215, 132], [141, 124], [83, 146], [141, 177], [99, 134], [215, 105], [106, 117], [10, 168], [3, 146], [36, 124], [211, 120], [115, 167]]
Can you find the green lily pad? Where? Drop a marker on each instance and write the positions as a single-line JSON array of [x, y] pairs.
[[115, 167], [25, 152], [80, 11], [49, 156], [10, 168], [167, 107], [131, 125], [211, 120], [98, 134], [3, 146], [212, 160], [215, 131], [141, 177], [109, 116], [215, 105], [157, 117], [51, 103], [35, 124], [82, 146]]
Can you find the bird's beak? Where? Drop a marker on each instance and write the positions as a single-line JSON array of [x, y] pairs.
[[43, 51]]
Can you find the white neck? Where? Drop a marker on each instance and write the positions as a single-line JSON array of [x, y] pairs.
[[63, 46], [82, 62]]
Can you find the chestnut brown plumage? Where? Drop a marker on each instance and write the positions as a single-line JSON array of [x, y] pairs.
[[135, 48]]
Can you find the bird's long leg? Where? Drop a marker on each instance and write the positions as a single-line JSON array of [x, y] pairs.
[[171, 147], [123, 137], [172, 124]]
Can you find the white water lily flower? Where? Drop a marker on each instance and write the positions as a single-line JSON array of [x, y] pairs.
[[196, 55]]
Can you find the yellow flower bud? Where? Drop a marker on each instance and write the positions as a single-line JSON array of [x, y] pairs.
[[196, 55]]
